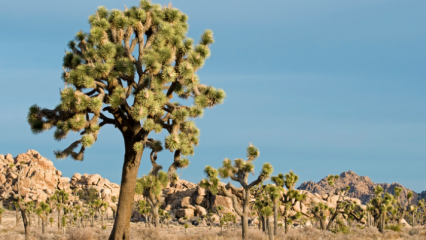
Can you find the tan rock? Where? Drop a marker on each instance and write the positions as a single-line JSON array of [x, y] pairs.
[[200, 211], [76, 177], [101, 182], [93, 179], [9, 158], [24, 191], [186, 201], [217, 200], [185, 213]]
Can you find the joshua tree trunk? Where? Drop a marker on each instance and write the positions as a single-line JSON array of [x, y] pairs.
[[287, 226], [381, 222], [275, 218], [102, 220], [24, 220], [263, 224], [121, 229], [42, 225], [59, 218], [414, 223], [155, 215], [270, 230], [330, 223]]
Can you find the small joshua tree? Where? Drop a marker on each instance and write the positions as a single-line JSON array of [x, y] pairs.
[[288, 197], [151, 187], [343, 205], [267, 212], [320, 211], [15, 196], [107, 85], [238, 172], [51, 221], [144, 210], [101, 207], [61, 197], [64, 223], [43, 212], [274, 194], [210, 218], [379, 207]]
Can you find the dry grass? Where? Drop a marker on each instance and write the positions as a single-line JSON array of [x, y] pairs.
[[8, 231], [139, 232]]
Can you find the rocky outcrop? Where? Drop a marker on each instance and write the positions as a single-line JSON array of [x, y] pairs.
[[361, 187], [39, 179]]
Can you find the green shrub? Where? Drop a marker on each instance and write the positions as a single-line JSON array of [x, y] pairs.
[[394, 227]]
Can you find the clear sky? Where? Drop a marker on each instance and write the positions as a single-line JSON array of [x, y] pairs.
[[320, 87]]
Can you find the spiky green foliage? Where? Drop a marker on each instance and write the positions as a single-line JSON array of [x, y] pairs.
[[101, 74], [238, 172], [42, 210], [150, 184]]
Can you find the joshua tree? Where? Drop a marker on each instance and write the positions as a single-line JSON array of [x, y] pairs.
[[51, 221], [421, 205], [101, 208], [267, 212], [164, 216], [343, 205], [288, 197], [144, 210], [319, 211], [379, 206], [106, 84], [274, 194], [239, 173], [16, 196], [61, 197], [210, 218], [43, 212], [151, 185], [17, 210], [30, 209], [64, 223]]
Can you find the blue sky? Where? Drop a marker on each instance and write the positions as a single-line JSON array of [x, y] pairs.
[[320, 87]]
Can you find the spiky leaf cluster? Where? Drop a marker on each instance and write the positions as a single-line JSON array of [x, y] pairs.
[[152, 184], [102, 73]]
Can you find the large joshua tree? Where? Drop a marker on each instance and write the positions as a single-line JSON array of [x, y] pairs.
[[238, 172], [105, 84]]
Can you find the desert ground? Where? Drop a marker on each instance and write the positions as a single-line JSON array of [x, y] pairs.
[[174, 231]]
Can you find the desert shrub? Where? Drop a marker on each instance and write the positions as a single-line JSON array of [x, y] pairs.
[[394, 227], [88, 195]]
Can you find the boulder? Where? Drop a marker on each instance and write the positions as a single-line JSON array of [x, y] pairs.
[[93, 179], [217, 200], [185, 213], [200, 211]]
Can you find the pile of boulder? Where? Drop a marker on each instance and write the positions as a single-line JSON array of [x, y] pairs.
[[186, 199], [35, 178], [38, 179]]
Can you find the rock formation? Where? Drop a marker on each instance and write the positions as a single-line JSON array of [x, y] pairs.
[[361, 187], [40, 179]]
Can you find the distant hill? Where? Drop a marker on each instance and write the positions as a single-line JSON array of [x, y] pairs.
[[361, 187]]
